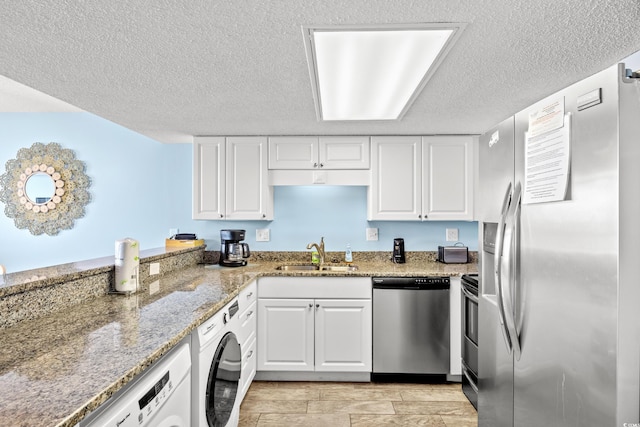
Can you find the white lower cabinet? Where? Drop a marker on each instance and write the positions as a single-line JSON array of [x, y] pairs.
[[343, 335], [285, 331], [313, 331], [247, 301]]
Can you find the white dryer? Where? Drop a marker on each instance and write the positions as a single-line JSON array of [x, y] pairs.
[[216, 370], [159, 397]]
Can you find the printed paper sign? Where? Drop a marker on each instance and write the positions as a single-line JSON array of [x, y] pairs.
[[546, 165], [549, 117]]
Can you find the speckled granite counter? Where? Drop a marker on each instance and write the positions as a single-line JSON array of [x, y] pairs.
[[56, 369]]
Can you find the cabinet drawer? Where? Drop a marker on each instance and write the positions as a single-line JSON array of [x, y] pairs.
[[248, 371], [248, 323], [248, 295]]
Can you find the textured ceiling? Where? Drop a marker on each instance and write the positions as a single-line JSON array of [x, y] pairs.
[[171, 69]]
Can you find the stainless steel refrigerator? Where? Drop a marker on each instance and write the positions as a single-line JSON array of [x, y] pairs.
[[559, 213]]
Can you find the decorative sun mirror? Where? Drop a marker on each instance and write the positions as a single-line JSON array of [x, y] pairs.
[[44, 189]]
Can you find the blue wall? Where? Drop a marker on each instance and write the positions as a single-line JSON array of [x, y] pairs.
[[141, 188]]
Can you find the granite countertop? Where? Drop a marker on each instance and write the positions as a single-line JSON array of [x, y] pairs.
[[57, 369]]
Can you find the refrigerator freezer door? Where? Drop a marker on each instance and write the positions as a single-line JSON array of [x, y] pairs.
[[495, 370]]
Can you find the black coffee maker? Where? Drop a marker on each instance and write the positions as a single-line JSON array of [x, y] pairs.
[[232, 252], [398, 250]]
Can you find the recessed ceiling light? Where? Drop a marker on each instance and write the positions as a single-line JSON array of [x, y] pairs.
[[373, 72]]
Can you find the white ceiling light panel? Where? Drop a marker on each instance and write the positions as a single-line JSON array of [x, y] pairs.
[[373, 73]]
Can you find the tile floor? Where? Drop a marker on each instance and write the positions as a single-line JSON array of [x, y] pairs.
[[356, 405]]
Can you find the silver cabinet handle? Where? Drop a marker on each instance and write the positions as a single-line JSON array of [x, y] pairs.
[[250, 354], [249, 295], [310, 305], [249, 314], [321, 165]]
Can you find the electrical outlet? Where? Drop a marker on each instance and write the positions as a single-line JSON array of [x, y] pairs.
[[263, 234], [173, 232], [154, 287], [452, 234], [154, 268], [372, 234]]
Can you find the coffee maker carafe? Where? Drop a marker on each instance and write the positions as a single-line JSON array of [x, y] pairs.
[[233, 253]]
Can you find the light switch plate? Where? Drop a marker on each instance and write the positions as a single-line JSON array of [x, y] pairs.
[[372, 234], [452, 234], [263, 234], [154, 268]]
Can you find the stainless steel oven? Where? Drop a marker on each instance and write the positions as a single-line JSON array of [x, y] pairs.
[[470, 337]]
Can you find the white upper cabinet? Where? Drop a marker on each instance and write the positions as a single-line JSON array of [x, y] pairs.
[[396, 184], [209, 178], [312, 152], [421, 178], [447, 176], [230, 179]]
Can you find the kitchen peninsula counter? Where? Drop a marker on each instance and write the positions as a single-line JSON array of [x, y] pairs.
[[57, 369]]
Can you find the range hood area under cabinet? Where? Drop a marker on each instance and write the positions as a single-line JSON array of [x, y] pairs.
[[313, 160], [409, 178]]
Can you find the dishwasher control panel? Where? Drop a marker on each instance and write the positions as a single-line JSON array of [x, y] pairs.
[[428, 282]]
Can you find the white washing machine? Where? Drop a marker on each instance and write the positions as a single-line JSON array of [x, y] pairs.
[[158, 397], [216, 370]]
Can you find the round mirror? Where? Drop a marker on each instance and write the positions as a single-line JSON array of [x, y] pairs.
[[40, 188]]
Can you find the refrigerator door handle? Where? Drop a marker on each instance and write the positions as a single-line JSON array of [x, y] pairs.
[[509, 270], [498, 265]]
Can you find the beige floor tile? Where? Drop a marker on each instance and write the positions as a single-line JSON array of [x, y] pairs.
[[248, 419], [274, 406], [306, 420], [454, 408], [451, 421], [433, 395], [260, 385], [361, 394], [316, 385], [349, 407], [280, 393], [407, 386], [396, 420]]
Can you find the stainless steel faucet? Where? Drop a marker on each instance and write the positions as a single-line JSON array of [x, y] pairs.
[[319, 248]]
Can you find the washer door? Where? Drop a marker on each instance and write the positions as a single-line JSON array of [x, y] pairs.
[[223, 382]]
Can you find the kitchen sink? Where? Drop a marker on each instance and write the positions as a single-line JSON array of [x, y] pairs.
[[339, 267], [312, 267], [296, 267]]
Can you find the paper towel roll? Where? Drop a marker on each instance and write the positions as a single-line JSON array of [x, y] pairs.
[[127, 265]]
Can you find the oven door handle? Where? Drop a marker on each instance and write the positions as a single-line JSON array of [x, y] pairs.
[[469, 295]]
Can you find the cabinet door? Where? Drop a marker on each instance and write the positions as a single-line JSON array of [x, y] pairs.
[[344, 152], [285, 334], [293, 152], [396, 178], [343, 335], [448, 177], [248, 194], [209, 178]]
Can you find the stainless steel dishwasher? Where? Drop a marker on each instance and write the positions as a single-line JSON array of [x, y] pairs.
[[410, 328]]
